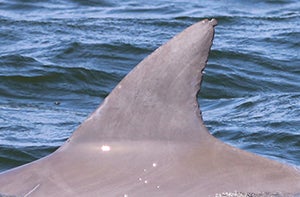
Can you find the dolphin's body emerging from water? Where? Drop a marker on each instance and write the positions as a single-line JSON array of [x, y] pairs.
[[148, 139]]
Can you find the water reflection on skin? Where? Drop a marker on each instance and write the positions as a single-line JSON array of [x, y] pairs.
[[105, 148], [146, 181], [144, 178]]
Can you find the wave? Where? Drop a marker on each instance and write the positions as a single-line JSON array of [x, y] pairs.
[[11, 156], [263, 124], [21, 77]]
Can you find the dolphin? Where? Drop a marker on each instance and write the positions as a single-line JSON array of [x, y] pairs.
[[148, 138]]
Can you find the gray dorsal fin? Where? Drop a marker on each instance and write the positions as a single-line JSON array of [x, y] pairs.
[[157, 99]]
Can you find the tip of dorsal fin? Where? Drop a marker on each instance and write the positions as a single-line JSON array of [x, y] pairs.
[[213, 22], [157, 99]]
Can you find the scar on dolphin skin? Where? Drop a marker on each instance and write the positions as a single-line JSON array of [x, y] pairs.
[[26, 195], [32, 190]]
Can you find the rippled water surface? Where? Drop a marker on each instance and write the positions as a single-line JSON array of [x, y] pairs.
[[60, 59]]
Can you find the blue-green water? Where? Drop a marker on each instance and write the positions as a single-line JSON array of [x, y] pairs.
[[60, 59]]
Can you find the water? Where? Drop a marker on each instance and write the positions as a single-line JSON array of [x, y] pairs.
[[60, 59]]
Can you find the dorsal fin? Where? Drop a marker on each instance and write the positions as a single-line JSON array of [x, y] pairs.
[[157, 99]]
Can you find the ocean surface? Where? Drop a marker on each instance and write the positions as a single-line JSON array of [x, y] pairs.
[[60, 58]]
